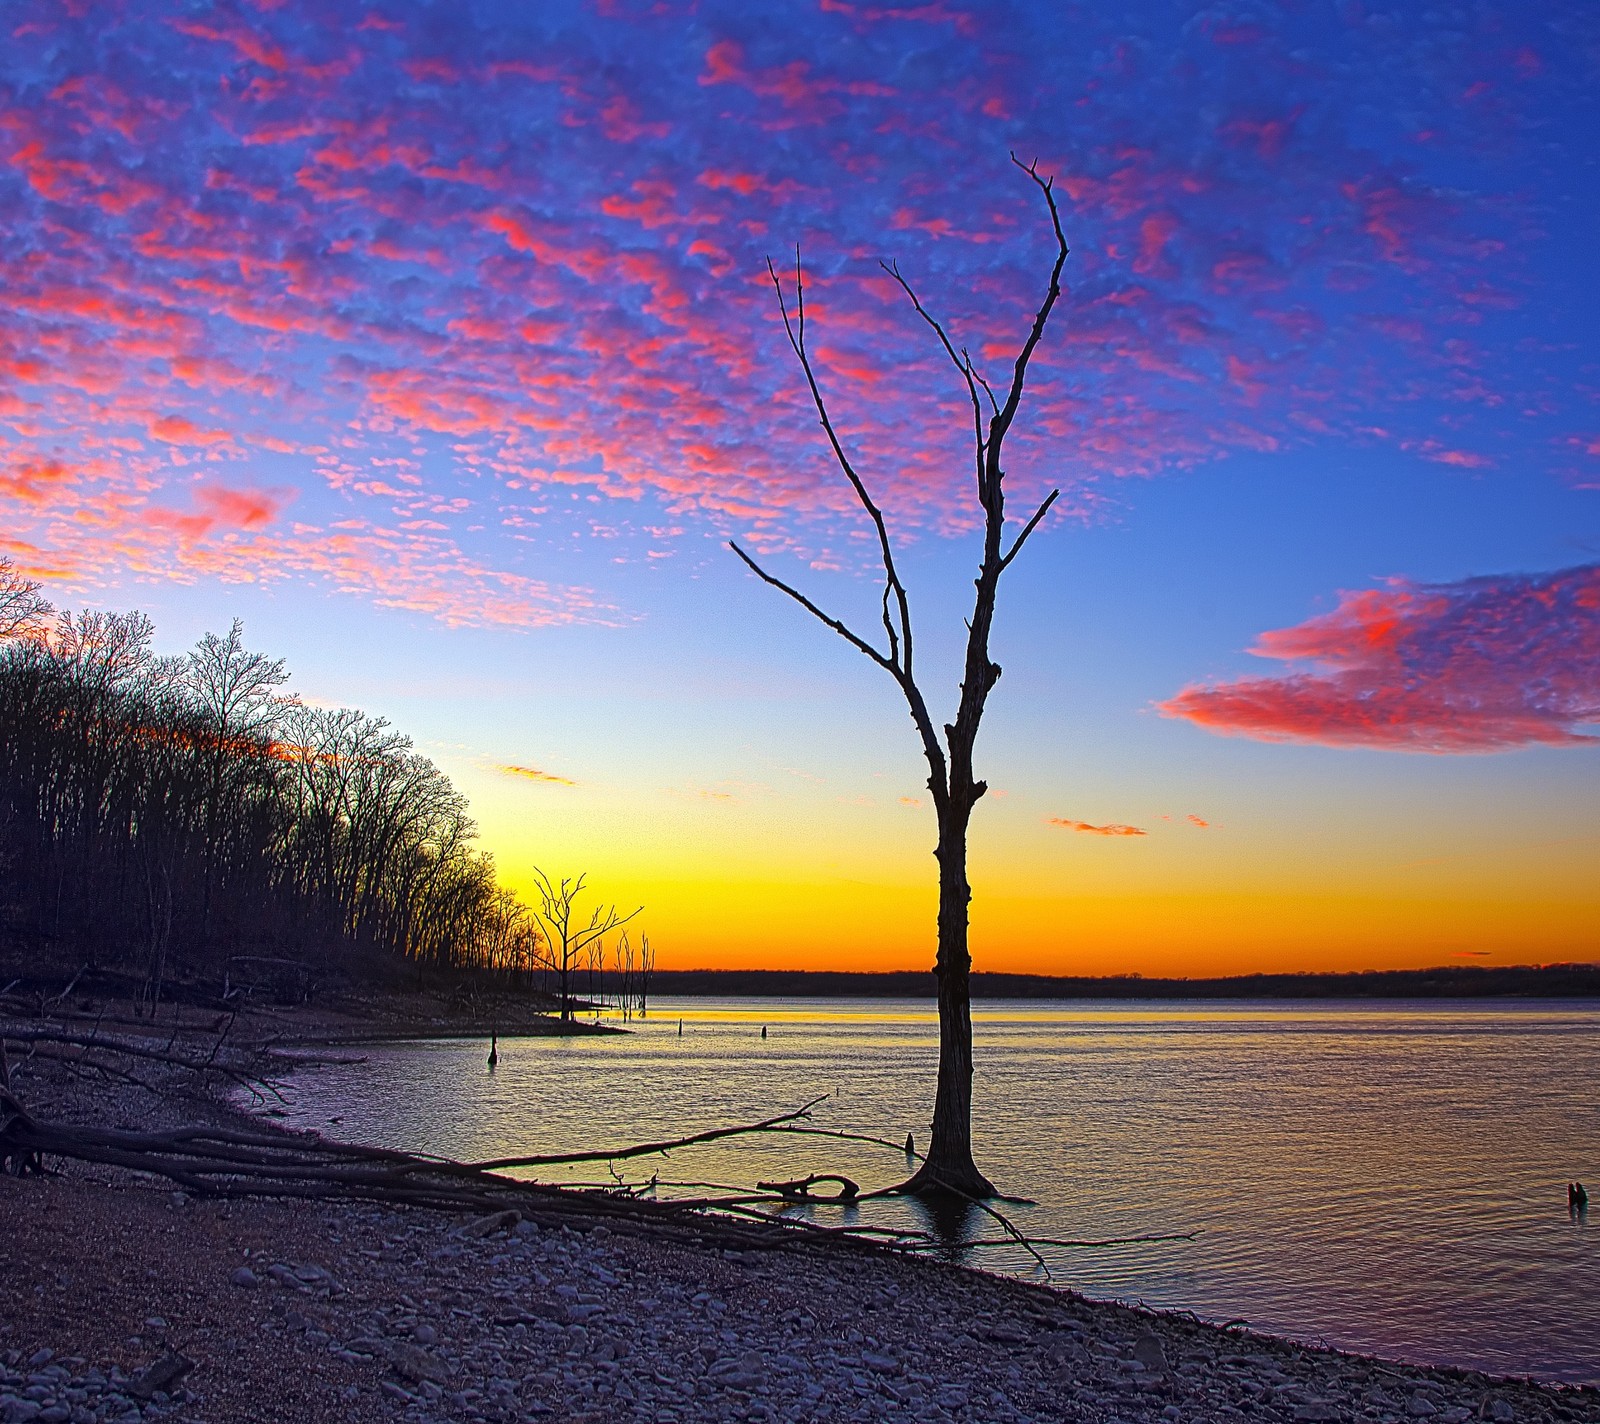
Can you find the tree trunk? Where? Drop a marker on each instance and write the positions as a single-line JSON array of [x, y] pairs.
[[949, 1165]]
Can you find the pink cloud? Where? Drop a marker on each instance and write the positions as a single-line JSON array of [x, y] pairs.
[[178, 430], [35, 481], [243, 508], [1484, 665], [1155, 232], [793, 84], [249, 45], [222, 508]]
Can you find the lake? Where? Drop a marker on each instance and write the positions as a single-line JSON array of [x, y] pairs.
[[1384, 1177]]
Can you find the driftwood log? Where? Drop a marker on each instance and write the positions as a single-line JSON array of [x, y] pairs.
[[800, 1188]]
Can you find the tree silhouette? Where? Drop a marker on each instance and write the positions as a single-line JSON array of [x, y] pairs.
[[569, 940], [235, 693], [23, 608], [955, 791], [176, 817]]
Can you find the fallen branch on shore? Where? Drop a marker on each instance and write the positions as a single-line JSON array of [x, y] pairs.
[[257, 1083]]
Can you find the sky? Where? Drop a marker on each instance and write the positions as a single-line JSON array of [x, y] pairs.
[[437, 343]]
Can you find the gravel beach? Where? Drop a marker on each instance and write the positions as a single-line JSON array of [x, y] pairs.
[[291, 1311]]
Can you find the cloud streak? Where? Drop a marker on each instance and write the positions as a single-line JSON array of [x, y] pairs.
[[1484, 665], [532, 773], [1089, 829]]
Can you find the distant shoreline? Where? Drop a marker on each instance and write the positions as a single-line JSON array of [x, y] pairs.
[[1552, 981]]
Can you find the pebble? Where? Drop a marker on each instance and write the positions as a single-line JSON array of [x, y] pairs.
[[1147, 1351]]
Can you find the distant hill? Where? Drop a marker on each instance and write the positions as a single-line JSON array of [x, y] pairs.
[[1547, 981]]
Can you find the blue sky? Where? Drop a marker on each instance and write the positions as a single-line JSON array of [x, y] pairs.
[[436, 343]]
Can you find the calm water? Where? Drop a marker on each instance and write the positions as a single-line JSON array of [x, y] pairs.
[[1383, 1177]]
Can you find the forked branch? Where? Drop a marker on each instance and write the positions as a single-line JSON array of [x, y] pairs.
[[962, 363], [900, 640], [1007, 413], [888, 664]]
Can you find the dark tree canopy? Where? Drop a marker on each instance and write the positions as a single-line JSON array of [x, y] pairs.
[[165, 815]]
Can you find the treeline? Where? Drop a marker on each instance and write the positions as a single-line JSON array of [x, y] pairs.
[[1550, 981], [179, 815]]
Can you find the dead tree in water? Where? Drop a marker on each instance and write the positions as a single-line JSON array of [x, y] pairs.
[[949, 1164], [568, 940], [647, 967]]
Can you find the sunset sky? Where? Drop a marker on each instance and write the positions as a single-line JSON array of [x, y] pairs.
[[435, 341]]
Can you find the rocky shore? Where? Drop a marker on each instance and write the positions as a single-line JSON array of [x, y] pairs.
[[124, 1301]]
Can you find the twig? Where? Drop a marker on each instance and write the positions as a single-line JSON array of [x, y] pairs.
[[45, 1003], [1059, 1241]]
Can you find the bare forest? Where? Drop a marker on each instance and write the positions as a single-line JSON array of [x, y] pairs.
[[180, 818]]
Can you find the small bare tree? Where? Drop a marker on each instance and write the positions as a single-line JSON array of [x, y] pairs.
[[949, 1164], [647, 967], [570, 942], [623, 976]]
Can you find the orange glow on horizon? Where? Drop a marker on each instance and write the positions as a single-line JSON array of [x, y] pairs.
[[858, 927]]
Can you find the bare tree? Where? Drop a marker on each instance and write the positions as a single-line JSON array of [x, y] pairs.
[[949, 1164], [627, 984], [568, 939], [23, 608], [647, 967], [236, 694]]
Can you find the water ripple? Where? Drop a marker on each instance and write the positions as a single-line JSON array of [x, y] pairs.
[[1385, 1177]]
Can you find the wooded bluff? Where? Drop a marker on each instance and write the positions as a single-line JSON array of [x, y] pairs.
[[171, 815]]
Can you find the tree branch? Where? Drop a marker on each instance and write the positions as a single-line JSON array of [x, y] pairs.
[[888, 664], [938, 782], [994, 405], [963, 366], [796, 332], [1029, 527], [646, 1149], [1002, 422]]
